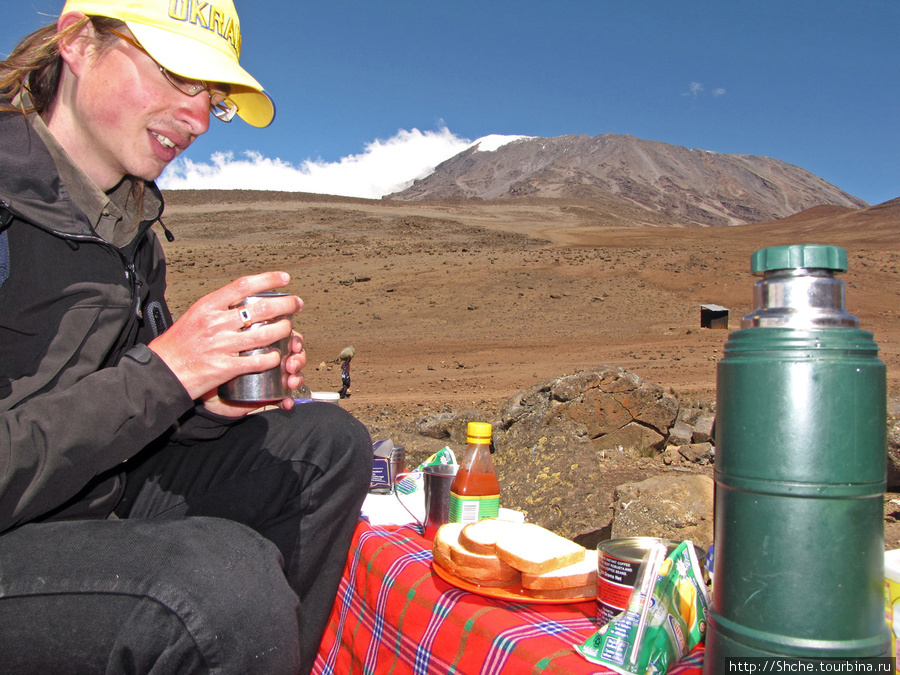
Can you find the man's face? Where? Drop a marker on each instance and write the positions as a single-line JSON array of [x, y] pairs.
[[126, 118]]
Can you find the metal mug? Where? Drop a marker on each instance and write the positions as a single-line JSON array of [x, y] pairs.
[[269, 385], [438, 478]]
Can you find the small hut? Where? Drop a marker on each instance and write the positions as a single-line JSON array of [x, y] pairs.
[[713, 316]]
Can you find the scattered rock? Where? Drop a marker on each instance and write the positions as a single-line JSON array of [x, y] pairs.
[[697, 453], [634, 439], [681, 433], [448, 425], [703, 428]]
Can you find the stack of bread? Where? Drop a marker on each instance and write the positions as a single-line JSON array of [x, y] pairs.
[[519, 557]]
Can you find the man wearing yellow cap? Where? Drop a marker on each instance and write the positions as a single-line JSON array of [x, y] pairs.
[[147, 525]]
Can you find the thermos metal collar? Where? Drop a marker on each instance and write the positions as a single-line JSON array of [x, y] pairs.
[[798, 288]]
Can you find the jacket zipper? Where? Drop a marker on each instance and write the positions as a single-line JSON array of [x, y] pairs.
[[130, 272], [136, 283]]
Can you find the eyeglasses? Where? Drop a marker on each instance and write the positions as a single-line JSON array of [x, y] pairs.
[[219, 104]]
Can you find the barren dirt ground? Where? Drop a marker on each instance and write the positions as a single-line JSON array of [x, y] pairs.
[[453, 306]]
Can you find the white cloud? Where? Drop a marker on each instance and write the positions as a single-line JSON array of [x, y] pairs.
[[383, 167], [696, 88]]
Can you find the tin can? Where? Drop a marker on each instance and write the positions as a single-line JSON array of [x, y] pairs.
[[618, 562], [388, 462]]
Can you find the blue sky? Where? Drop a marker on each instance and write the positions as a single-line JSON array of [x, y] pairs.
[[380, 91]]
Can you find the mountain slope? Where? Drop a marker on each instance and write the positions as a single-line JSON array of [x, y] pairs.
[[877, 225], [674, 183]]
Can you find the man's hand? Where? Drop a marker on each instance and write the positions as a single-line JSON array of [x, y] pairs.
[[291, 367], [202, 347]]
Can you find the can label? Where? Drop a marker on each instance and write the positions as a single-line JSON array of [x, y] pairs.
[[619, 562], [615, 596], [387, 463], [381, 474], [615, 582], [471, 509]]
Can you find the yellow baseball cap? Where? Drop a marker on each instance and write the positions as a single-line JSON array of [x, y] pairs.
[[196, 39]]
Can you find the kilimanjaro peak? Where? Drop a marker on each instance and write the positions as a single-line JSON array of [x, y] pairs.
[[655, 183]]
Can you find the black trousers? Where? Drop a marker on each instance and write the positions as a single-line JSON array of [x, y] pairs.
[[225, 559]]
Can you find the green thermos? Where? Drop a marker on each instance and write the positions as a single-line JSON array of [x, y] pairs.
[[800, 472]]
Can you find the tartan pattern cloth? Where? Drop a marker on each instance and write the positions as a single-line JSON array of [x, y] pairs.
[[392, 614]]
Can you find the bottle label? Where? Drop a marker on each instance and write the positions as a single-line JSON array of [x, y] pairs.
[[470, 509]]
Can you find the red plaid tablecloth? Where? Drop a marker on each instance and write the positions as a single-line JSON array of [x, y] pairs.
[[394, 615]]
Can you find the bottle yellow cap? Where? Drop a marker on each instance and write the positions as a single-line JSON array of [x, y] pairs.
[[478, 433]]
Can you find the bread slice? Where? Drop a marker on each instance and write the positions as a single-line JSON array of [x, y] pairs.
[[446, 534], [481, 537], [474, 568], [492, 563], [474, 575], [588, 591], [582, 574], [535, 550]]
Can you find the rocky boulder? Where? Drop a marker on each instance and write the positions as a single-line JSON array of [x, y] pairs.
[[613, 409], [670, 507], [893, 450], [557, 480], [561, 445]]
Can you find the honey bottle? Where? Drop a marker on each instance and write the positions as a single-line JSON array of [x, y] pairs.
[[475, 492]]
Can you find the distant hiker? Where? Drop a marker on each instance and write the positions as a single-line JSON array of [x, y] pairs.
[[346, 355], [145, 523]]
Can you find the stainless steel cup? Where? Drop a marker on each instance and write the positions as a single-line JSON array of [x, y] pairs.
[[397, 463], [268, 385], [437, 478]]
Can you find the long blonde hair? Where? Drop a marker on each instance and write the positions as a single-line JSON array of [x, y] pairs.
[[35, 65]]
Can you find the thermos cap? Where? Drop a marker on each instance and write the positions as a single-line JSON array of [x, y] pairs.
[[802, 256]]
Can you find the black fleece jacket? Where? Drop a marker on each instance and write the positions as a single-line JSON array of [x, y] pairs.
[[80, 393]]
